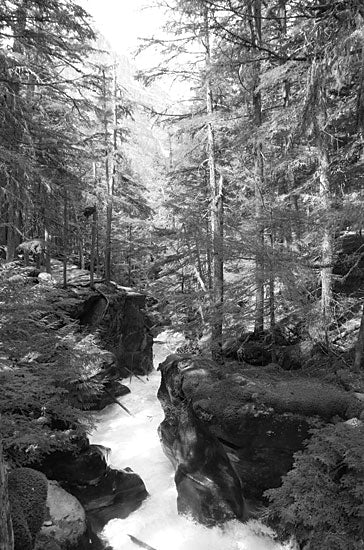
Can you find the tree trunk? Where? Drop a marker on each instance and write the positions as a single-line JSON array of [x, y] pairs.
[[108, 186], [93, 246], [10, 232], [327, 240], [216, 212], [65, 238], [130, 253], [6, 530], [110, 173], [15, 131], [47, 251], [359, 347], [255, 20]]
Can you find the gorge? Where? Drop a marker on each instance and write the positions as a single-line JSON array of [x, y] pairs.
[[134, 442]]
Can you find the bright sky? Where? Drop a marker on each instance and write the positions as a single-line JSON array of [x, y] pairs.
[[122, 22]]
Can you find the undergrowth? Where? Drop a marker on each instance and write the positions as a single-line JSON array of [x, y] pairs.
[[321, 500], [48, 373]]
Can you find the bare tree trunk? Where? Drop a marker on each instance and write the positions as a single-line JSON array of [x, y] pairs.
[[93, 241], [255, 21], [327, 242], [208, 256], [201, 275], [109, 186], [15, 130], [130, 251], [6, 530], [110, 177], [65, 237], [10, 232], [327, 238], [47, 251], [216, 212], [81, 255], [359, 347]]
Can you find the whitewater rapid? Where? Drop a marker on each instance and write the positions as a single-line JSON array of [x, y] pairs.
[[134, 442]]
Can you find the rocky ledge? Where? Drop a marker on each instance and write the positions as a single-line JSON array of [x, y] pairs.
[[258, 417], [105, 493]]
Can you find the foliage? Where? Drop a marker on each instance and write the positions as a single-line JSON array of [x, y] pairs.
[[48, 373], [27, 495], [305, 72], [321, 500]]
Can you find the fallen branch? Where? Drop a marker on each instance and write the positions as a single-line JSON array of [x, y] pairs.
[[346, 332], [141, 543], [133, 374], [118, 402]]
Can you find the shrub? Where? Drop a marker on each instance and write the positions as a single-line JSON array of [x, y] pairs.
[[48, 372], [321, 500], [27, 496]]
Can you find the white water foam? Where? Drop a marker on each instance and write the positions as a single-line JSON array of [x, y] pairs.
[[134, 442]]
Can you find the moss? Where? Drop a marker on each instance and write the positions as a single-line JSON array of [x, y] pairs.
[[27, 495], [274, 390]]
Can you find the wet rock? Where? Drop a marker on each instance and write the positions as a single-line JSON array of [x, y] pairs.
[[254, 353], [116, 495], [105, 493], [86, 467], [207, 484], [120, 315], [262, 416]]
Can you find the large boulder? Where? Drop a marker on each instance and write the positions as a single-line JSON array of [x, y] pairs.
[[208, 487], [262, 416], [65, 523], [105, 493], [86, 467], [117, 494]]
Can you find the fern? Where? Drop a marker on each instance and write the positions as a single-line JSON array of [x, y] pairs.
[[49, 376]]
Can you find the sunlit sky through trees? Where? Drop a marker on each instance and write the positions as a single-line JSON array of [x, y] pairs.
[[124, 23]]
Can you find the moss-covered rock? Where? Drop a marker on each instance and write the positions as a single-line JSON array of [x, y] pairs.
[[262, 415], [27, 496]]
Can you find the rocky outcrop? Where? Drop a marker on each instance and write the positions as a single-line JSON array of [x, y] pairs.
[[119, 315], [85, 467], [261, 416], [117, 494], [208, 487], [105, 493]]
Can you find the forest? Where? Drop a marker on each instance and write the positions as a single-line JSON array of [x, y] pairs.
[[237, 209]]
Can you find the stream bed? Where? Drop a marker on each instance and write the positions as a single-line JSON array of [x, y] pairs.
[[134, 442]]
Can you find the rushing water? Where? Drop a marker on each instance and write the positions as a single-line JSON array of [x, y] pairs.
[[134, 442]]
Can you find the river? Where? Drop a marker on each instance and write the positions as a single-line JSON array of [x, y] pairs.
[[134, 442]]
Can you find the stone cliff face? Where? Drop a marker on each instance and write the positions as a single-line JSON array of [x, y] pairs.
[[119, 316], [208, 487], [259, 417]]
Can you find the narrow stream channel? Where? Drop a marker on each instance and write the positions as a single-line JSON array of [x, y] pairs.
[[134, 442]]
